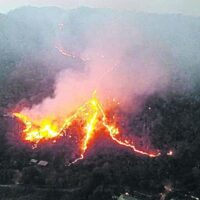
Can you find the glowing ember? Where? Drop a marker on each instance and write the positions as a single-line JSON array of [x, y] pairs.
[[94, 118], [170, 153]]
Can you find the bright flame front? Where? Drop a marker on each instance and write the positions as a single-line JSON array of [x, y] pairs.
[[93, 117]]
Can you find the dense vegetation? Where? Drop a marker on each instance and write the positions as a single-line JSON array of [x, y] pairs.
[[173, 123]]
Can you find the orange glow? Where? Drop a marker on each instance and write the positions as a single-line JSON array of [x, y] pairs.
[[170, 153], [37, 131], [94, 119], [64, 52]]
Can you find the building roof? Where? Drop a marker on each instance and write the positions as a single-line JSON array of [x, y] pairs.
[[126, 197], [43, 163], [33, 161]]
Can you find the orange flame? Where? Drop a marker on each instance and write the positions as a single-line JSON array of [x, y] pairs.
[[37, 131], [94, 118]]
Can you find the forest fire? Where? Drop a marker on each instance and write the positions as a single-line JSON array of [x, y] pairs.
[[63, 52], [94, 119]]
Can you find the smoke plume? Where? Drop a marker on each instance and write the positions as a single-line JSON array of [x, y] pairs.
[[118, 64]]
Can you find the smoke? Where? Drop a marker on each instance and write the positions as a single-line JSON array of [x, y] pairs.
[[118, 63]]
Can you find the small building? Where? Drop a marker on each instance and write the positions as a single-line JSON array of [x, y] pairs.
[[43, 163], [33, 161], [126, 197]]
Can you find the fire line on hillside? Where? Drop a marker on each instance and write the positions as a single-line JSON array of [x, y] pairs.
[[94, 118]]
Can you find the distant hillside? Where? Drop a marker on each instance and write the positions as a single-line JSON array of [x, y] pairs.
[[30, 28], [28, 37]]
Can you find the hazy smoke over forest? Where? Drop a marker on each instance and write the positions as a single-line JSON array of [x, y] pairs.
[[114, 62], [121, 55]]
